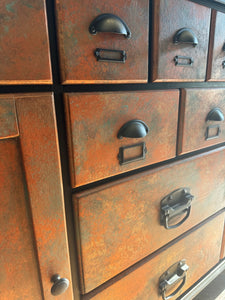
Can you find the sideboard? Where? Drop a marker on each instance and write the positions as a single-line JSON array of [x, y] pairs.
[[112, 148]]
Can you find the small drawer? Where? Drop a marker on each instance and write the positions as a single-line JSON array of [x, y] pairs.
[[180, 40], [24, 46], [216, 63], [123, 222], [111, 133], [201, 119], [103, 41], [198, 252]]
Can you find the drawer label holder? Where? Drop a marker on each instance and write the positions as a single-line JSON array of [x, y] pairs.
[[123, 160]]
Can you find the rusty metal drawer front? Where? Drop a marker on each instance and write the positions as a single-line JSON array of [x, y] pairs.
[[216, 63], [103, 41], [200, 250], [24, 46], [111, 133], [180, 40], [201, 119], [119, 223]]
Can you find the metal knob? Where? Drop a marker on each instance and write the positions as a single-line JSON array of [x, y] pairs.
[[60, 285]]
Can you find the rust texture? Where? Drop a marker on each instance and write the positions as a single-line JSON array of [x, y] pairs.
[[196, 104], [119, 223], [39, 144], [169, 17], [24, 48], [94, 121], [8, 119], [77, 45], [217, 56], [19, 268], [201, 250]]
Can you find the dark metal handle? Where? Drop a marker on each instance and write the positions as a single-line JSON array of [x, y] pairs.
[[109, 23], [215, 115], [60, 285], [185, 36], [183, 60], [173, 275], [133, 129], [118, 55], [175, 204]]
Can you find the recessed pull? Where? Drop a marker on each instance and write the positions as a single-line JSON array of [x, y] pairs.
[[133, 129], [215, 115], [109, 23], [185, 36]]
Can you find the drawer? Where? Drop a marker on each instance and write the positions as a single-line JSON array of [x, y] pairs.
[[201, 119], [216, 64], [103, 41], [98, 131], [24, 46], [180, 40], [200, 250], [119, 223]]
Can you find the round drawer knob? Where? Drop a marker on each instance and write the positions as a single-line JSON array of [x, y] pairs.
[[60, 285]]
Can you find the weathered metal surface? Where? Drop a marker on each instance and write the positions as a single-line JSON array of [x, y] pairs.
[[169, 17], [94, 120], [19, 272], [201, 250], [195, 106], [24, 49], [77, 45], [216, 69], [119, 223], [39, 144], [8, 119]]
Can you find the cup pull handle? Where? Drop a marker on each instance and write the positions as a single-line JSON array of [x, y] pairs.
[[133, 129], [185, 36], [215, 115], [109, 23]]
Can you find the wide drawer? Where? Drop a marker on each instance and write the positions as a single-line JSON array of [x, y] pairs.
[[24, 46], [180, 40], [200, 250], [216, 63], [94, 121], [119, 223], [103, 41], [201, 119]]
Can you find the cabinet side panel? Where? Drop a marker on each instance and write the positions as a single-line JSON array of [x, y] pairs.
[[39, 142]]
